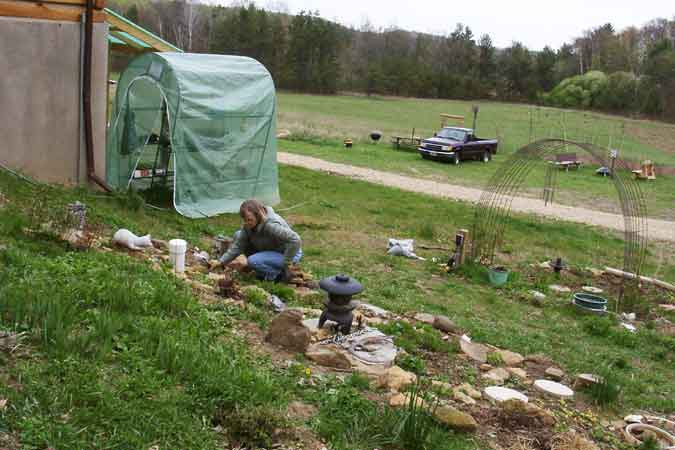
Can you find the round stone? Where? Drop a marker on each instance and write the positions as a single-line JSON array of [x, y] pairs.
[[501, 394], [553, 388]]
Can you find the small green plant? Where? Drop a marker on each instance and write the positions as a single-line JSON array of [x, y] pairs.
[[598, 326], [650, 443], [256, 296], [284, 292], [130, 199], [412, 339], [473, 272], [358, 381], [427, 231], [621, 363], [495, 359], [412, 363]]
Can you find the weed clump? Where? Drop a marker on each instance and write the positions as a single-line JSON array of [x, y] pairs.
[[599, 326], [412, 339], [349, 420], [251, 427], [607, 390]]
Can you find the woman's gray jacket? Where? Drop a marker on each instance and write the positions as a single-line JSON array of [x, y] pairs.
[[273, 234]]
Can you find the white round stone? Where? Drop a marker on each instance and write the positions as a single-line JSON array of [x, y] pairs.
[[501, 394], [633, 418], [553, 388]]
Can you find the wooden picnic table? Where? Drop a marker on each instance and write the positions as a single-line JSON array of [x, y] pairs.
[[398, 141]]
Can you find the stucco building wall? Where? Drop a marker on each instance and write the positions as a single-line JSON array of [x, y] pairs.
[[41, 128]]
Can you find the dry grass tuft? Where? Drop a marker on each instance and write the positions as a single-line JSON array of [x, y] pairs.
[[572, 441]]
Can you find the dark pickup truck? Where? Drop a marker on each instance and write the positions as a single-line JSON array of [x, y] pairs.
[[455, 144]]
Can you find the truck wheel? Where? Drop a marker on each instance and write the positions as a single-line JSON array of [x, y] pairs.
[[486, 157]]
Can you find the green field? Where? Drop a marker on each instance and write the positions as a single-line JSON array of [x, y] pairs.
[[319, 123], [112, 344]]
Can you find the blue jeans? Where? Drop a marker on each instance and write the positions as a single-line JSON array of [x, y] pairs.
[[268, 265]]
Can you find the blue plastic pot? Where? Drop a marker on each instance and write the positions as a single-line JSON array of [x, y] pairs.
[[590, 302], [498, 276]]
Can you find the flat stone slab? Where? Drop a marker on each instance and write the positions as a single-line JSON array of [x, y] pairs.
[[586, 379], [374, 311], [477, 352], [501, 394], [559, 289], [425, 317], [592, 289], [553, 388], [313, 324]]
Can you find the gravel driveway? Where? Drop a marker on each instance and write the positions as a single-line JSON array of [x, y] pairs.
[[657, 229]]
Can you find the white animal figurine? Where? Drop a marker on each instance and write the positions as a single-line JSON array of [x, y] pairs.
[[126, 238]]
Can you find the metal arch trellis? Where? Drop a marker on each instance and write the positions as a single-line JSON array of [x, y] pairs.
[[494, 205]]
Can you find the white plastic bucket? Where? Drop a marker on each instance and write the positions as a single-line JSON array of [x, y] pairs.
[[177, 249]]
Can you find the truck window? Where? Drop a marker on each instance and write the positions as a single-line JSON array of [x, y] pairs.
[[452, 133]]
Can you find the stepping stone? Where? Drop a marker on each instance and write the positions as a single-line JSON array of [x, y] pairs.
[[592, 290], [553, 388], [501, 394]]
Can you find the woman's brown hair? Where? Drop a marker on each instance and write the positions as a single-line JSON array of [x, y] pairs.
[[254, 207]]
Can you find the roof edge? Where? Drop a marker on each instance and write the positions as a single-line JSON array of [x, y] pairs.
[[153, 37]]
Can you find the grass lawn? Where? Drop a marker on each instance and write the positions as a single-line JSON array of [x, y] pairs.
[[120, 355], [320, 123]]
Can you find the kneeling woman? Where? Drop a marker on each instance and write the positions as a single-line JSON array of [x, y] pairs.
[[268, 242]]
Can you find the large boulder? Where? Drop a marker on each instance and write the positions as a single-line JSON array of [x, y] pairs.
[[511, 359], [288, 331], [455, 419], [403, 400], [445, 324], [497, 376], [527, 414]]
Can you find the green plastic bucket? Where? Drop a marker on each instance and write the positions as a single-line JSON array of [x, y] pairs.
[[498, 276]]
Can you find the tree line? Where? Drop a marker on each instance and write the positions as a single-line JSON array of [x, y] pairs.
[[629, 71]]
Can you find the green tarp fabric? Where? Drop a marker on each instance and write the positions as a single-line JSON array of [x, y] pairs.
[[222, 129]]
